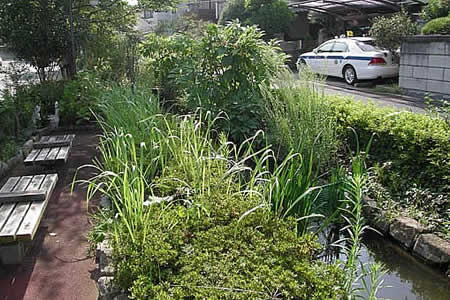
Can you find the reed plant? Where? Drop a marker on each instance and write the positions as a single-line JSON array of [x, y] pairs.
[[121, 177], [300, 120], [352, 212], [293, 191]]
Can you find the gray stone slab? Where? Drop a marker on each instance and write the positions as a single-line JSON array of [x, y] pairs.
[[441, 87], [406, 71], [420, 72], [439, 61], [12, 254], [447, 74], [432, 248], [439, 48], [435, 73], [405, 230], [413, 83]]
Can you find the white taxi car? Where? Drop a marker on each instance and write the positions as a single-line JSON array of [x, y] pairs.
[[353, 59]]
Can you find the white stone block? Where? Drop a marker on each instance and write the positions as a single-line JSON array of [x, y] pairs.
[[441, 87], [435, 73], [406, 71], [439, 61], [420, 72], [413, 83]]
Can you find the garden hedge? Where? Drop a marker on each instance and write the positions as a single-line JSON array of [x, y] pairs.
[[417, 145], [437, 26]]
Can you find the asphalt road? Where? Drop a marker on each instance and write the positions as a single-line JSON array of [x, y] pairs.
[[337, 86], [362, 94]]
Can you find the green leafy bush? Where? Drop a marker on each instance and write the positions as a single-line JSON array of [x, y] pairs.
[[272, 16], [437, 26], [436, 9], [80, 96], [165, 57], [16, 111], [45, 94], [390, 31], [417, 146], [8, 149], [222, 72], [232, 64]]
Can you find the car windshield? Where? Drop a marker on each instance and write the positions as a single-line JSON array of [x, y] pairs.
[[367, 46]]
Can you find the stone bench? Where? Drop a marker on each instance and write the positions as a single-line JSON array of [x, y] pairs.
[[23, 201], [50, 150]]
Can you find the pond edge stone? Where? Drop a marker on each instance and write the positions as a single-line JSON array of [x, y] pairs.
[[432, 248], [107, 290], [429, 247], [405, 230]]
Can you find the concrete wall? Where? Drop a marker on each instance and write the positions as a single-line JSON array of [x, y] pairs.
[[425, 66]]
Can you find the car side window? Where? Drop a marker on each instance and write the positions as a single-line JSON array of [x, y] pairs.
[[340, 47], [326, 47]]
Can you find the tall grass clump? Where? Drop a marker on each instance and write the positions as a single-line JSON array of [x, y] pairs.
[[300, 120], [191, 220], [121, 177], [293, 191]]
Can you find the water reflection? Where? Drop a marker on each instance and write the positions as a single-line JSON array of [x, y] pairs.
[[409, 278]]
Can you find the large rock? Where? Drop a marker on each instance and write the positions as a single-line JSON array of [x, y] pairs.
[[106, 288], [433, 248], [104, 247], [377, 218], [405, 230], [381, 223], [27, 147], [121, 297], [13, 161], [104, 260], [3, 168]]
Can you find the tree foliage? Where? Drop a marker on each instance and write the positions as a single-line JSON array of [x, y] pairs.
[[272, 16], [436, 9], [48, 33], [390, 31], [35, 30]]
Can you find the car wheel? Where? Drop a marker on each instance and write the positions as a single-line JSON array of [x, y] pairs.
[[350, 75]]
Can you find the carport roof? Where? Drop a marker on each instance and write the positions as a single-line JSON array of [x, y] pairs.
[[344, 8]]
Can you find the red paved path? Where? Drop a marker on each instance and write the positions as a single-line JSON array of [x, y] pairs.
[[57, 267]]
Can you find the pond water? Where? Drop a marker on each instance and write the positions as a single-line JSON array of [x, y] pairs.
[[408, 278]]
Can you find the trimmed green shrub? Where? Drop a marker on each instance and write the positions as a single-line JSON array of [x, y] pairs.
[[259, 256], [417, 145], [437, 26]]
